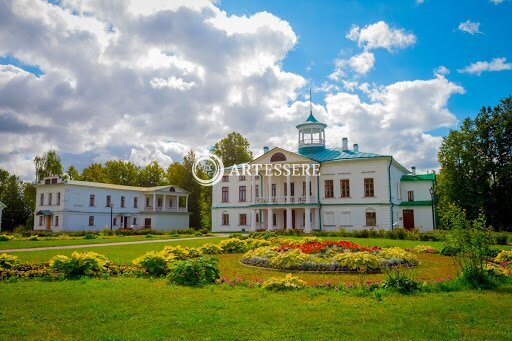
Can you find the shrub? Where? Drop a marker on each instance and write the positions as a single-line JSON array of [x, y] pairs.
[[400, 254], [155, 263], [501, 239], [80, 264], [194, 271], [290, 259], [256, 243], [503, 256], [34, 238], [400, 282], [204, 230], [5, 237], [90, 236], [211, 249], [288, 282], [233, 245], [182, 252], [423, 249], [263, 235], [7, 261], [358, 261], [450, 250]]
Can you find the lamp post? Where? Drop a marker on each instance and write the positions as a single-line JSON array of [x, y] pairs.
[[432, 197], [111, 209]]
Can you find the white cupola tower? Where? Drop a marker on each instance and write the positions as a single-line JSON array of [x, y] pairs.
[[311, 134]]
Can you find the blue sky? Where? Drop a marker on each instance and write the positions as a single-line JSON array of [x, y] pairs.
[[145, 80], [322, 25]]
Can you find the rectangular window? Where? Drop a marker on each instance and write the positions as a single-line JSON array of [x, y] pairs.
[[274, 189], [135, 202], [91, 220], [225, 178], [345, 188], [225, 219], [329, 188], [41, 199], [410, 195], [47, 181], [147, 223], [170, 202], [108, 202], [134, 221], [50, 197], [292, 189], [56, 220], [274, 219], [243, 219], [54, 180], [242, 194], [122, 201], [225, 194], [147, 202], [368, 188], [114, 221], [40, 220], [285, 189], [257, 190], [257, 217], [159, 202], [371, 219], [303, 188], [92, 200], [58, 198], [241, 178]]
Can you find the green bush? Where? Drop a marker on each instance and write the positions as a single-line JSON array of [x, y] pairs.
[[90, 236], [233, 245], [400, 282], [290, 259], [34, 238], [400, 254], [182, 252], [6, 237], [289, 282], [194, 271], [358, 261], [263, 235], [155, 263], [211, 249], [501, 239], [204, 230], [80, 264], [7, 261], [450, 250]]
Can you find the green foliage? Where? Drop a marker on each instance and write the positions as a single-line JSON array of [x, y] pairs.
[[194, 271], [400, 282], [263, 235], [400, 254], [233, 149], [501, 239], [233, 245], [90, 236], [47, 164], [155, 263], [290, 259], [33, 238], [7, 261], [503, 256], [211, 249], [17, 196], [80, 264], [182, 252], [289, 282], [6, 237], [358, 261], [151, 175]]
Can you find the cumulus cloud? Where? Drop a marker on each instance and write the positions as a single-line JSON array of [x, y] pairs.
[[441, 70], [360, 64], [470, 27], [496, 2], [497, 64], [380, 35], [140, 80], [396, 119]]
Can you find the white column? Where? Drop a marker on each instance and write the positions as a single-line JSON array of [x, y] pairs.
[[154, 202], [307, 223], [186, 203], [253, 221], [270, 188], [288, 188], [288, 218], [270, 220], [165, 201], [254, 189], [307, 188]]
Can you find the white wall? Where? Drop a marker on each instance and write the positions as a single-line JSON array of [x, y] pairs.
[[420, 189], [422, 217]]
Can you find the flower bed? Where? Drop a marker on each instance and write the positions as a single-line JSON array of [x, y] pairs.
[[317, 256]]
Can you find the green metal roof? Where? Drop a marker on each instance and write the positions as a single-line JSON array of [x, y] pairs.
[[339, 154], [416, 203], [419, 177], [44, 212], [311, 120]]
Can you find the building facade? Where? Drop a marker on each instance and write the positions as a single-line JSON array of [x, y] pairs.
[[69, 205], [354, 190]]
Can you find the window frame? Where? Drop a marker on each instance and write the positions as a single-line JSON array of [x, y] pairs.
[[92, 200], [242, 222], [410, 195], [242, 193], [328, 188], [369, 187], [374, 218], [225, 219], [225, 194], [345, 189], [91, 220]]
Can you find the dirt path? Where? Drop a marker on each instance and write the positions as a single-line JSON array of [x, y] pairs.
[[63, 247]]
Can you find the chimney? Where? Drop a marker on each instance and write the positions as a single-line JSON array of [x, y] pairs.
[[344, 144], [356, 147], [265, 149], [413, 168]]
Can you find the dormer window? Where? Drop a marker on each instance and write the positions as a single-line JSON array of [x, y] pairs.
[[276, 157]]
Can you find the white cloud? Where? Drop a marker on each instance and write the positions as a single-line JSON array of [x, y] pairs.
[[419, 2], [441, 70], [380, 35], [496, 2], [130, 79], [470, 27], [360, 64], [397, 119], [497, 64]]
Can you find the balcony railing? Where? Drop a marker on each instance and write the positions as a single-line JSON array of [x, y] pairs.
[[167, 209], [307, 142], [284, 200]]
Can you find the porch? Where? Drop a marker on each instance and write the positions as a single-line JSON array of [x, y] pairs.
[[286, 218]]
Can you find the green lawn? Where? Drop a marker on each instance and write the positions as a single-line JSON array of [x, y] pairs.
[[137, 308]]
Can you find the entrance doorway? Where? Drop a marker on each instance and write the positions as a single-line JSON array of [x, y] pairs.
[[286, 219], [147, 223], [408, 219]]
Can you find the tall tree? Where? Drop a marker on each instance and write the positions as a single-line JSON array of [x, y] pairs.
[[151, 175], [94, 173], [73, 173], [47, 164], [233, 149], [120, 172], [476, 165], [11, 194]]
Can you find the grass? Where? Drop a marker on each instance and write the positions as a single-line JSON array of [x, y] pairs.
[[137, 308]]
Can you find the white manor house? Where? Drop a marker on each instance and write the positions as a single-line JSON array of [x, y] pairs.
[[355, 190], [70, 205]]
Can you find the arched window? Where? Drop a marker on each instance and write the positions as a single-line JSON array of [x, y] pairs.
[[277, 157], [172, 189]]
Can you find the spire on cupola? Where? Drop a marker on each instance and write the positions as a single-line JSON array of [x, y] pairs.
[[311, 133]]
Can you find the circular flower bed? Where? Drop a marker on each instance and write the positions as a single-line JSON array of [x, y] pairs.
[[329, 256]]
